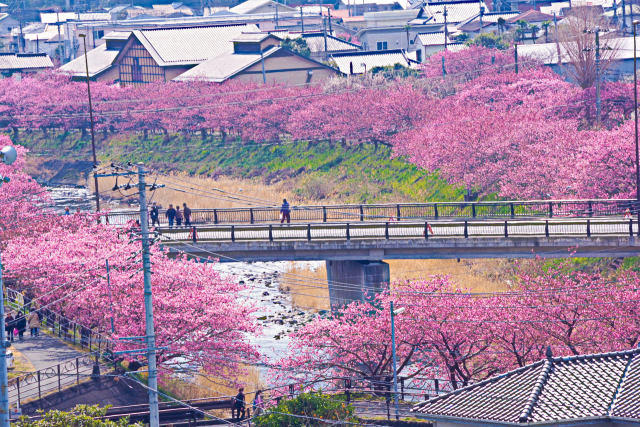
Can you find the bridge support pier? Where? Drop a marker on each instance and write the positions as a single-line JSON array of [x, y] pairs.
[[355, 280]]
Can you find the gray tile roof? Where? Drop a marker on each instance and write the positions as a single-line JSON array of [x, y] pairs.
[[24, 61], [100, 59], [597, 386], [190, 45], [315, 41]]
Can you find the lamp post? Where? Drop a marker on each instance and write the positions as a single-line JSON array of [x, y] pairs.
[[393, 353], [93, 138], [635, 118], [8, 156]]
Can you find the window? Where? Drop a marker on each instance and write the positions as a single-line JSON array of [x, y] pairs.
[[381, 46], [138, 67]]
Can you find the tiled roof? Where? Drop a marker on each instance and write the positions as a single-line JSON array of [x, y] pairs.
[[315, 41], [191, 45], [250, 6], [456, 11], [432, 39], [222, 67], [100, 59], [370, 59], [24, 61], [530, 16], [562, 388]]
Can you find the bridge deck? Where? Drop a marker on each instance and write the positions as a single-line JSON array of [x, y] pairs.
[[408, 240]]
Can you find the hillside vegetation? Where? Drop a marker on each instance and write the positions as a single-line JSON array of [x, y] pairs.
[[313, 171]]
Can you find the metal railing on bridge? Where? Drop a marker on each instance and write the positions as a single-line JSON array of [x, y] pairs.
[[401, 211], [402, 230]]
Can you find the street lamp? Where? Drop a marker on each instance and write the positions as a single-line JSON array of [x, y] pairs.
[[393, 352], [8, 155], [635, 118]]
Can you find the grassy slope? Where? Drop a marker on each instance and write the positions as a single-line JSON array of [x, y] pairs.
[[314, 170]]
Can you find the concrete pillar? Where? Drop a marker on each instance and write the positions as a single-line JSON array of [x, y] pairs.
[[355, 280]]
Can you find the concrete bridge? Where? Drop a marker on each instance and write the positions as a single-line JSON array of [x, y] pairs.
[[354, 252]]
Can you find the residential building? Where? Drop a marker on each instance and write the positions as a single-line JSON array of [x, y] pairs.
[[547, 53], [316, 43], [158, 54], [397, 37], [360, 7], [587, 390], [362, 62], [258, 58], [426, 44], [495, 22], [457, 11], [249, 7], [18, 64]]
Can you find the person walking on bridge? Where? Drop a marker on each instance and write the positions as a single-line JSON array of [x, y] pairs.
[[187, 215], [238, 404], [171, 215], [154, 214], [178, 217], [285, 212]]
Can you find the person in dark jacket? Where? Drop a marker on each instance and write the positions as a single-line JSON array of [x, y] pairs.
[[178, 217], [154, 214], [171, 215], [21, 324], [285, 212], [9, 326], [238, 404], [186, 211]]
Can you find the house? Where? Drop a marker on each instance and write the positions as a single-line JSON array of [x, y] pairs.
[[396, 37], [587, 390], [100, 60], [426, 44], [12, 64], [362, 62], [250, 7], [158, 54], [488, 22], [316, 43], [7, 23], [257, 57], [547, 53], [457, 11], [358, 7]]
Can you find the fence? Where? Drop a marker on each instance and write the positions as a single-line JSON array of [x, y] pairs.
[[402, 230], [401, 212], [34, 385]]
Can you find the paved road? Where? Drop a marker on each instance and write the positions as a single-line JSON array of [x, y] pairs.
[[45, 351], [57, 366]]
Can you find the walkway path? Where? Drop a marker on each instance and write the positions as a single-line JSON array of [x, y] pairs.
[[45, 351]]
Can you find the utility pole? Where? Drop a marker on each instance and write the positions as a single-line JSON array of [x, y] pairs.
[[301, 20], [515, 56], [324, 34], [555, 26], [8, 155], [598, 104], [276, 15], [329, 18], [446, 30], [393, 352], [596, 31], [113, 329], [150, 337], [93, 136]]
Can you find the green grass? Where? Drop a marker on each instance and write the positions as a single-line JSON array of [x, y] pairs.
[[352, 173]]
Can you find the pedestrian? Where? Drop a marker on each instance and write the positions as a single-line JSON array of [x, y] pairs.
[[34, 323], [155, 215], [187, 215], [21, 325], [258, 404], [9, 325], [238, 404], [67, 211], [171, 215], [178, 216], [285, 212]]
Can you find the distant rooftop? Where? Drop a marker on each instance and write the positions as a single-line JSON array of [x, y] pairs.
[[24, 61]]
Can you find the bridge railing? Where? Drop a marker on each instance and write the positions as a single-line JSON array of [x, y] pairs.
[[401, 230], [401, 211]]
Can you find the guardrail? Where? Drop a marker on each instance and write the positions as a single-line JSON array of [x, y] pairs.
[[400, 211], [590, 227]]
